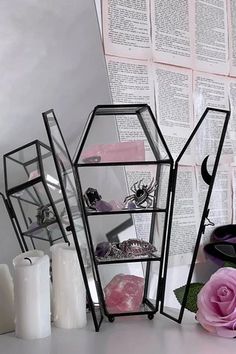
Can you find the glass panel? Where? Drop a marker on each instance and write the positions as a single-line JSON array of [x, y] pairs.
[[117, 239], [119, 182], [154, 135], [113, 136], [21, 166], [50, 174], [193, 215], [118, 109], [138, 188], [35, 214], [124, 289], [73, 211]]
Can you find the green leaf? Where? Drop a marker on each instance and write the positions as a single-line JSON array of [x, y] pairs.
[[191, 303], [229, 264]]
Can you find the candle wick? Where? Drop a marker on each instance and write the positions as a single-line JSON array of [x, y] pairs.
[[68, 243], [28, 259]]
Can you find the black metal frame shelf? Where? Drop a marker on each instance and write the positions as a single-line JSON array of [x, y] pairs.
[[145, 309], [158, 162], [128, 260], [123, 164], [163, 258], [126, 211], [15, 193]]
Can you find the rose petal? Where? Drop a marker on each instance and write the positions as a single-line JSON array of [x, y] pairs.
[[227, 307], [206, 325], [217, 303], [225, 293], [225, 332]]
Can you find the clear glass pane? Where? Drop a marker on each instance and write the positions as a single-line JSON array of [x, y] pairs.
[[35, 214], [192, 212], [124, 288], [22, 166], [117, 238], [117, 136], [124, 188], [154, 135], [68, 184]]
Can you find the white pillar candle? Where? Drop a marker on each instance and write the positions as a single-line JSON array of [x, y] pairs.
[[36, 253], [69, 294], [32, 295], [6, 300], [32, 253]]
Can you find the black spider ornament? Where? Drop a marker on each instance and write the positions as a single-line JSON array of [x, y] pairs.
[[141, 196]]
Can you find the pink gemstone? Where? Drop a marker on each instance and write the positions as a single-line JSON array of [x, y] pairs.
[[124, 293]]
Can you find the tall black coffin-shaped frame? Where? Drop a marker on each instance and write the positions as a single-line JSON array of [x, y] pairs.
[[59, 148], [70, 188], [208, 179]]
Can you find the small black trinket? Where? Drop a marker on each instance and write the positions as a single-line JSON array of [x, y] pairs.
[[91, 196]]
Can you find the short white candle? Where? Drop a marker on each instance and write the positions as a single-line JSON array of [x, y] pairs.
[[6, 300], [32, 295], [69, 294]]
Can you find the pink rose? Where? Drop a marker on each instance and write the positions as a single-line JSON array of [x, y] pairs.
[[217, 303]]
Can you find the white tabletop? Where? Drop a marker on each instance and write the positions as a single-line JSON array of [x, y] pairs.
[[125, 335]]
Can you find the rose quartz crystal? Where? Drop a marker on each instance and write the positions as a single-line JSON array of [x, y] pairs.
[[122, 151], [124, 293]]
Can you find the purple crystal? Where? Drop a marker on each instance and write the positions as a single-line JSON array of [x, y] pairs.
[[102, 249], [101, 205], [116, 205], [131, 205]]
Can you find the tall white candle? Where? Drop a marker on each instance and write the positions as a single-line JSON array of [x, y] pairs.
[[6, 300], [32, 295], [69, 294]]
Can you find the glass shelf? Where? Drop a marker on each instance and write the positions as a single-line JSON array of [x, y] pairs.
[[39, 227], [123, 163], [145, 309], [46, 232], [125, 211], [104, 261]]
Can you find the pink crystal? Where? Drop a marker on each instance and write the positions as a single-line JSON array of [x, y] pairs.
[[124, 293], [122, 151]]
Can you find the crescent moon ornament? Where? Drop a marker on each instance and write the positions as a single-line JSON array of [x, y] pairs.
[[205, 174]]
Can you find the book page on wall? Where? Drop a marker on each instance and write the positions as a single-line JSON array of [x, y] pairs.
[[126, 28], [130, 80], [191, 191], [232, 35], [173, 95], [233, 174], [185, 217], [171, 37], [221, 200], [232, 121], [211, 36], [211, 90], [186, 45]]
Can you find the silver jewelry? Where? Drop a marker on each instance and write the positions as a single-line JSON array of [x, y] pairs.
[[130, 248]]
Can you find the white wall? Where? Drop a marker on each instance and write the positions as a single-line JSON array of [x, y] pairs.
[[9, 246], [50, 57]]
